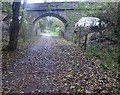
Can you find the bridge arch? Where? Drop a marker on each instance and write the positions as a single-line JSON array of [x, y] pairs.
[[53, 15]]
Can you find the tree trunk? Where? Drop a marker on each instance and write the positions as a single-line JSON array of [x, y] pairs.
[[14, 28], [118, 21]]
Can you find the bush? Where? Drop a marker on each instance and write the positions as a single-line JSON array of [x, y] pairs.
[[107, 57]]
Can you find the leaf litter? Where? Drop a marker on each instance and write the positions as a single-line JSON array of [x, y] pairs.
[[54, 65]]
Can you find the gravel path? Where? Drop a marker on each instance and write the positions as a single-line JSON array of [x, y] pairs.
[[54, 65]]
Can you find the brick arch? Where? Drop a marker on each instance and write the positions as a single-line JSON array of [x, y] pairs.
[[53, 15]]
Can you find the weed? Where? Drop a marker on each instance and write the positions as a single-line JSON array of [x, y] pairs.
[[107, 56]]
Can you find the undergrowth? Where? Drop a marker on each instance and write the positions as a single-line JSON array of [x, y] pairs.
[[105, 57]]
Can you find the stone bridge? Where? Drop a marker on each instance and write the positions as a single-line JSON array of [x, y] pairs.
[[55, 9], [64, 11], [67, 12]]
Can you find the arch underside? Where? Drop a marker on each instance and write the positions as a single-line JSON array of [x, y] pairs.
[[54, 15]]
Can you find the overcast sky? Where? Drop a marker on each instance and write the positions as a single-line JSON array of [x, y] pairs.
[[41, 1]]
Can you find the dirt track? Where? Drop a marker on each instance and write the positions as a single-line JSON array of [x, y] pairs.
[[53, 65]]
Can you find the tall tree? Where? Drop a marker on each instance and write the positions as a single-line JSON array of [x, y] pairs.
[[14, 29]]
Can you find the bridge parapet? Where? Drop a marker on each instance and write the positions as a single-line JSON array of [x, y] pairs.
[[54, 6]]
